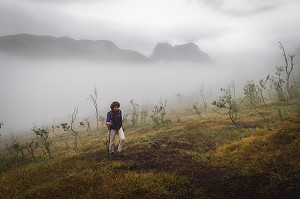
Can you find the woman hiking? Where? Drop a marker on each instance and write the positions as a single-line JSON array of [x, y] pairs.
[[114, 124]]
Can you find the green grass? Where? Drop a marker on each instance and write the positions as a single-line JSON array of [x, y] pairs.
[[196, 158], [75, 175]]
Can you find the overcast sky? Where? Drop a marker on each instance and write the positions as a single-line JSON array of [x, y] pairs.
[[216, 26]]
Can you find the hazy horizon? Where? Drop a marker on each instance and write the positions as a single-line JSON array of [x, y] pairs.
[[42, 91]]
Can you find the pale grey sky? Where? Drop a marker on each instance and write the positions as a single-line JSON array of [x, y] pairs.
[[216, 26]]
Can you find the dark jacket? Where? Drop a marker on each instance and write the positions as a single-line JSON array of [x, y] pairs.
[[115, 118]]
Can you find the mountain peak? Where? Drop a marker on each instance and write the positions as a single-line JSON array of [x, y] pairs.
[[164, 44], [184, 53]]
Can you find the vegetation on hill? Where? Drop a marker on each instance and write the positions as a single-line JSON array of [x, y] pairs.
[[196, 158], [236, 147]]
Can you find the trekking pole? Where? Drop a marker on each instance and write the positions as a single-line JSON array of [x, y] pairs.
[[108, 144]]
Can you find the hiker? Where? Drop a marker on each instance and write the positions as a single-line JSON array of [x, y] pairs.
[[114, 124]]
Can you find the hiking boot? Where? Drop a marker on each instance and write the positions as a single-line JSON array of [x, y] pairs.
[[112, 154], [121, 154]]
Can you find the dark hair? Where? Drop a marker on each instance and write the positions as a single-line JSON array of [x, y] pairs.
[[113, 104]]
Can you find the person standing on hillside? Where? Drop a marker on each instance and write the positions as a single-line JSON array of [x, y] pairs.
[[115, 126]]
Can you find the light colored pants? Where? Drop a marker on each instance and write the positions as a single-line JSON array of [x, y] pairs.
[[113, 133]]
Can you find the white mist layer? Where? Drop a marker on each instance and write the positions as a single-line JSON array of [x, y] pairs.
[[42, 92]]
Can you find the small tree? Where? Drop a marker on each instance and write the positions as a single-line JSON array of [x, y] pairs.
[[179, 98], [31, 147], [86, 123], [72, 128], [93, 98], [158, 114], [54, 127], [177, 117], [251, 93], [15, 148], [19, 148], [261, 87], [278, 83], [232, 89], [144, 115], [226, 101], [135, 112], [202, 94], [197, 110], [82, 124], [44, 137], [65, 126], [254, 94], [289, 66], [125, 119], [102, 122]]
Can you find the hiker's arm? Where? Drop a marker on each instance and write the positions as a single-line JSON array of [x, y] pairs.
[[108, 119]]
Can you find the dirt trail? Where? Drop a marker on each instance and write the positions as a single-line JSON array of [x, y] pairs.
[[219, 182], [163, 154]]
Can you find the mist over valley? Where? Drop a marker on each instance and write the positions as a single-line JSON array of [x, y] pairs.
[[43, 80]]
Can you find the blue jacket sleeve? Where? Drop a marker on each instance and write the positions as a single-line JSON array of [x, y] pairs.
[[108, 117]]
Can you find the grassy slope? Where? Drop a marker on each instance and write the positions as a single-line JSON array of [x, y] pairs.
[[197, 158]]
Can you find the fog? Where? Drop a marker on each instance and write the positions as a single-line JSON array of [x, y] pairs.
[[41, 92]]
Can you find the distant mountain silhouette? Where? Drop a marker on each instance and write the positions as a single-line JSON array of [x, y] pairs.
[[35, 46], [185, 53], [65, 47]]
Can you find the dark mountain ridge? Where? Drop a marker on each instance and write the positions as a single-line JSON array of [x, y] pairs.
[[65, 47], [35, 46], [185, 53]]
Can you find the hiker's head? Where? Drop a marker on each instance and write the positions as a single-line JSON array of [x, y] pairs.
[[114, 106]]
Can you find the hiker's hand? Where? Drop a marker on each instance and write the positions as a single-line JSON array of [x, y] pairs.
[[108, 123]]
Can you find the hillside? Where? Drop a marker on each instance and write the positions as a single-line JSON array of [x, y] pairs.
[[204, 157]]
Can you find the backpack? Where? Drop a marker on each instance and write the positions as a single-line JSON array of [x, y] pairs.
[[118, 114]]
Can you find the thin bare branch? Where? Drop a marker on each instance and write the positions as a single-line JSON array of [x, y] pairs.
[[94, 98]]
